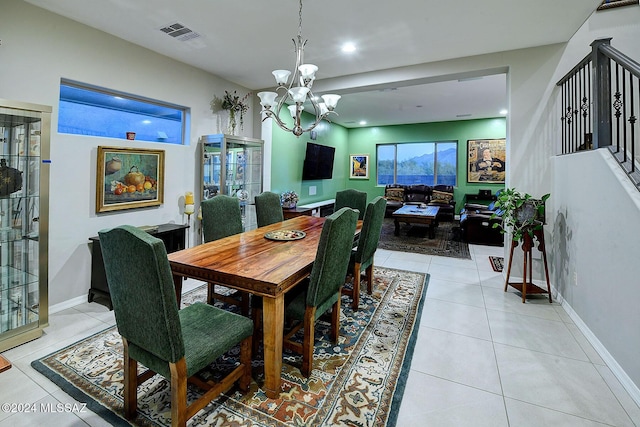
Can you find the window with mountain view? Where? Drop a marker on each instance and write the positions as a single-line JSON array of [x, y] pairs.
[[428, 163]]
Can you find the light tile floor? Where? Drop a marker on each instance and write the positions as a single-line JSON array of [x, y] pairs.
[[482, 357]]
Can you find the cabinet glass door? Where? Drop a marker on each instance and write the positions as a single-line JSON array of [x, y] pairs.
[[22, 284], [232, 165]]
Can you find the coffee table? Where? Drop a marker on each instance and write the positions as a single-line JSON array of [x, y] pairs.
[[414, 214]]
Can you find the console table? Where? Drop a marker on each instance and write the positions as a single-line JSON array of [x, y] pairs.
[[323, 208], [173, 237]]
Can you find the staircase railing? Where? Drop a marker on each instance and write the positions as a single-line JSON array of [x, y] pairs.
[[600, 98]]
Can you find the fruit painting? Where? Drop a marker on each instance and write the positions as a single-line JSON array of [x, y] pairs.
[[129, 178]]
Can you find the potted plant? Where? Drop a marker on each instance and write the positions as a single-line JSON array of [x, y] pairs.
[[520, 213]]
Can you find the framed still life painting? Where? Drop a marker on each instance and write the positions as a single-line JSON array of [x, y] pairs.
[[129, 178], [486, 160], [359, 166]]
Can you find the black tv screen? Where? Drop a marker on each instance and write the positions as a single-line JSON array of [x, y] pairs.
[[318, 162]]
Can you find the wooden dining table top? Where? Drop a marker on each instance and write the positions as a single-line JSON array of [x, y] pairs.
[[248, 261]]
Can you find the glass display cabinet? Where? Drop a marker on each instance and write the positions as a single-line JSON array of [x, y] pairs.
[[24, 196], [233, 165]]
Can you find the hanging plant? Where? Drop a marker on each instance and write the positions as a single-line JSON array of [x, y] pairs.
[[234, 104], [520, 213]]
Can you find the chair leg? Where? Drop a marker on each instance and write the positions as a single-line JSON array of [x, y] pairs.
[[130, 392], [308, 340], [245, 360], [356, 286], [370, 279], [335, 321], [178, 393]]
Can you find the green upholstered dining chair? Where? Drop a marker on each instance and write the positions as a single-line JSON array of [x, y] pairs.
[[174, 343], [322, 290], [351, 198], [362, 257], [221, 217], [268, 208]]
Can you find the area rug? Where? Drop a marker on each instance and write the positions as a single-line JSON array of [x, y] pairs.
[[497, 263], [357, 382], [414, 239]]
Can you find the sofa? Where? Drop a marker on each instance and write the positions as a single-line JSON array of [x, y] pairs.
[[477, 224], [439, 195]]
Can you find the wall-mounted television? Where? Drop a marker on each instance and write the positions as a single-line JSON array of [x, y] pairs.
[[318, 162]]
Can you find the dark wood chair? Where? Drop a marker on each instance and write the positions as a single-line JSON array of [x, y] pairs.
[[321, 292], [362, 257], [350, 198], [221, 217], [268, 208], [176, 344]]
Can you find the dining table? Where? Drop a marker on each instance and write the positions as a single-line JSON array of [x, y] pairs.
[[259, 262]]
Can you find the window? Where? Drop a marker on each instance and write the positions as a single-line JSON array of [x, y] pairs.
[[88, 110], [428, 163]]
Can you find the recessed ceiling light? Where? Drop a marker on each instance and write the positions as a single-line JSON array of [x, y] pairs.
[[503, 112], [363, 122], [463, 115], [348, 47]]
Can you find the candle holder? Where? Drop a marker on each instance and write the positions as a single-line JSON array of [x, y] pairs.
[[189, 209]]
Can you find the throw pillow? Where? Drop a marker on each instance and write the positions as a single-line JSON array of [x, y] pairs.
[[394, 194], [441, 196]]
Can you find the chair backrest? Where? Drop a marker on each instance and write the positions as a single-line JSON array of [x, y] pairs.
[[332, 259], [353, 199], [221, 217], [371, 228], [142, 291], [268, 208]]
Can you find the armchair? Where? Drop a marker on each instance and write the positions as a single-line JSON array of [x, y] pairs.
[[442, 196], [173, 343]]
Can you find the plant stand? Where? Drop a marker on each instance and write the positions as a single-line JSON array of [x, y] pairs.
[[527, 285]]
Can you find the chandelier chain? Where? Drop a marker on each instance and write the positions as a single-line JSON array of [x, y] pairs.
[[300, 21]]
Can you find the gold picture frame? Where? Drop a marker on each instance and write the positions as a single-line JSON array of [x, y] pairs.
[[359, 166], [129, 178], [486, 160]]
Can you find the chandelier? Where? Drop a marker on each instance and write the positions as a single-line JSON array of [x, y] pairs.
[[296, 96]]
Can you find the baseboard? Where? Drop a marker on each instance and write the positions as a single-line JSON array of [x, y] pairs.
[[616, 369], [67, 304]]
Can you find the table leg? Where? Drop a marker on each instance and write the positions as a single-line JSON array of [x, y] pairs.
[[272, 326], [432, 230], [397, 224], [177, 284]]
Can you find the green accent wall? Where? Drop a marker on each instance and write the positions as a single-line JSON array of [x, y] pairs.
[[364, 141], [288, 154]]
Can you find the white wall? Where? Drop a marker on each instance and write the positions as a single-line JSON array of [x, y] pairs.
[[38, 49], [597, 228]]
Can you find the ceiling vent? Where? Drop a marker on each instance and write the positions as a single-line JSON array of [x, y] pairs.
[[179, 32]]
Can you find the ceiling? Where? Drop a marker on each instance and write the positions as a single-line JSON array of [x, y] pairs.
[[244, 40]]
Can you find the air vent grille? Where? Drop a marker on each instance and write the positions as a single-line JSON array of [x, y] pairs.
[[179, 32]]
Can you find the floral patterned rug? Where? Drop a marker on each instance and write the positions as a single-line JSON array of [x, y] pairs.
[[357, 382]]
